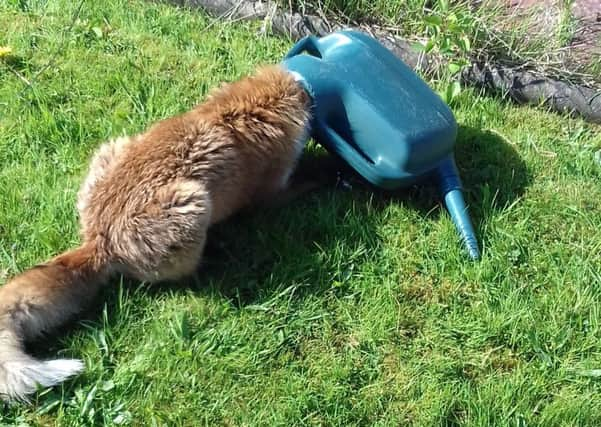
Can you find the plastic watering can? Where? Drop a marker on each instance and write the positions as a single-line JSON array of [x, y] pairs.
[[378, 115]]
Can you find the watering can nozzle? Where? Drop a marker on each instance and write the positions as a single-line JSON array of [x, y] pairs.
[[450, 186]]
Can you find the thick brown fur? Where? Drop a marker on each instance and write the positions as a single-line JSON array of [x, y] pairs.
[[146, 205]]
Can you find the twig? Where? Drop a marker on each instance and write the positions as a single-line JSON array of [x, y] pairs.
[[19, 75]]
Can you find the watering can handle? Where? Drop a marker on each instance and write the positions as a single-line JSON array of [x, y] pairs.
[[307, 44]]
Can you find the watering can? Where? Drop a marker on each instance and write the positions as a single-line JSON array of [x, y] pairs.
[[377, 114]]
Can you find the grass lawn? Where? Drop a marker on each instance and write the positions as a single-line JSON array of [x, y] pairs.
[[343, 308]]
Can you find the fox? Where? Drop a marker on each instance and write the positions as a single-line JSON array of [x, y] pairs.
[[145, 208]]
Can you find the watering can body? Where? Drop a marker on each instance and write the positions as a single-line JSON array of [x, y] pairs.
[[372, 109], [378, 115]]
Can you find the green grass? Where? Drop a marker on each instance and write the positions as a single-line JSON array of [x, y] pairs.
[[343, 308]]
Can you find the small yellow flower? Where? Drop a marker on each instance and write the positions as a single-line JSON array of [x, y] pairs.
[[5, 50]]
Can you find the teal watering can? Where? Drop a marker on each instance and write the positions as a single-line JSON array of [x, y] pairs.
[[373, 111]]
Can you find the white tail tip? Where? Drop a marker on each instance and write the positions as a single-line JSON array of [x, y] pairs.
[[23, 376]]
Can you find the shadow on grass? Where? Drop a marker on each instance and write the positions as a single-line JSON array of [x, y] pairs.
[[492, 171], [249, 257]]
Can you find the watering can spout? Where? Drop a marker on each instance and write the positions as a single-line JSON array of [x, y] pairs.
[[450, 186]]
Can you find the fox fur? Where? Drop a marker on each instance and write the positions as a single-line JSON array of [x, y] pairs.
[[146, 205]]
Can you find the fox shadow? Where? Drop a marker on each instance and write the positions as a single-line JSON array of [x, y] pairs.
[[314, 240], [248, 257]]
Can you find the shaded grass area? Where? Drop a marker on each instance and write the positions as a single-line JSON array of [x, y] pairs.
[[347, 307]]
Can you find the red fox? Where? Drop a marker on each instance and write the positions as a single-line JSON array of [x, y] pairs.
[[146, 205]]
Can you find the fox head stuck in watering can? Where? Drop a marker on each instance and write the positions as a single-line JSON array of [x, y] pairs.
[[378, 115]]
